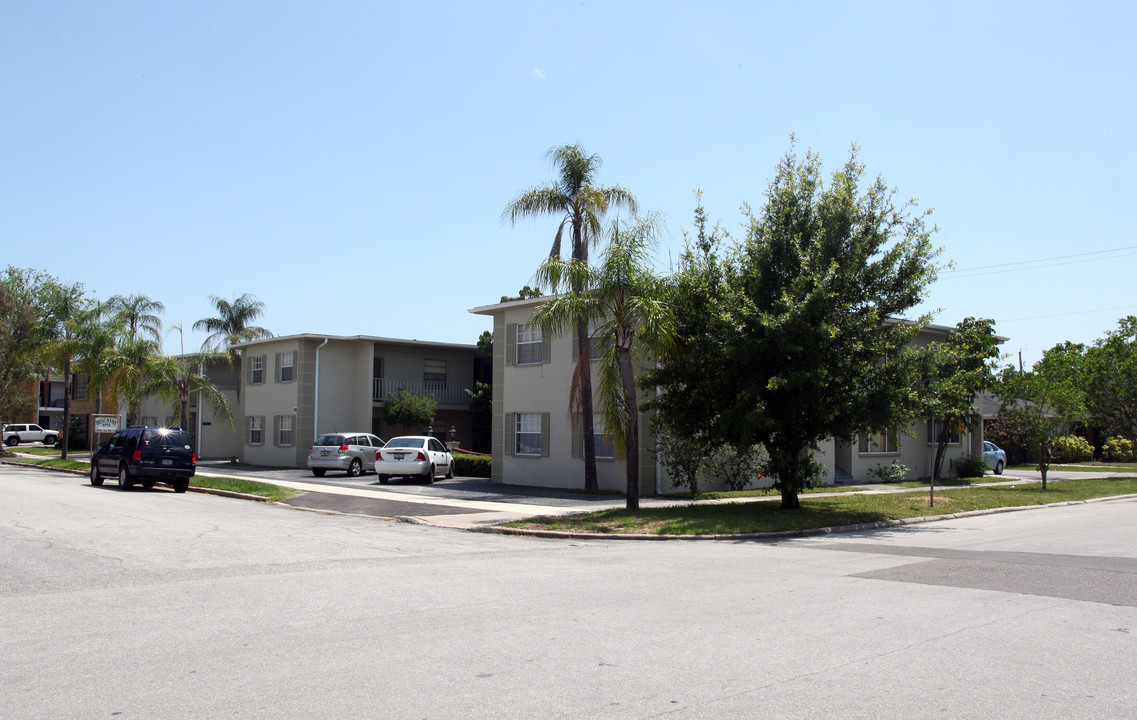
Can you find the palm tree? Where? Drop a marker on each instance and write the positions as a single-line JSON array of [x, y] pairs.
[[124, 370], [177, 378], [139, 314], [66, 308], [581, 205], [232, 327], [627, 302]]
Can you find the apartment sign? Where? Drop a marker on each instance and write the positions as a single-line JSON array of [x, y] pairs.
[[106, 424]]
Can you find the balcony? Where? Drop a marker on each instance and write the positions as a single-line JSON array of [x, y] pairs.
[[445, 393]]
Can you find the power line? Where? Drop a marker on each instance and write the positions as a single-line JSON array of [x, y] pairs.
[[1079, 312], [1034, 264]]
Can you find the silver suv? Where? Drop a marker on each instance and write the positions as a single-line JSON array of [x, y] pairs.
[[352, 452], [26, 433]]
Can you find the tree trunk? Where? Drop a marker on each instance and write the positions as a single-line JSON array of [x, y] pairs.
[[65, 434], [632, 431], [791, 481], [587, 427]]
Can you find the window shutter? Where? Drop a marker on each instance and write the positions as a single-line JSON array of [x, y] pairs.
[[276, 427], [277, 377], [576, 435], [510, 343], [545, 434], [546, 344], [249, 371], [510, 428]]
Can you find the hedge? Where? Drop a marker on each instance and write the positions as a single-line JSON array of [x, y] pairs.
[[472, 465]]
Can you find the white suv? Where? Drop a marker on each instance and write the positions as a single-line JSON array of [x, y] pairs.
[[27, 433]]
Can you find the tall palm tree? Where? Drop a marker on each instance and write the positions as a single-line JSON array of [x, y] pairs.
[[66, 308], [139, 314], [125, 368], [177, 378], [581, 204], [232, 327], [628, 304]]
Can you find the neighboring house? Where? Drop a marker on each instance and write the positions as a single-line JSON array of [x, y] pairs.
[[46, 410], [298, 386], [536, 440]]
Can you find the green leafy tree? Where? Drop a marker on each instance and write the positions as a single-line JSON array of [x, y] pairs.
[[1110, 380], [523, 294], [481, 411], [21, 311], [809, 348], [581, 205], [626, 302], [232, 326], [953, 373], [485, 343], [1043, 400], [410, 410]]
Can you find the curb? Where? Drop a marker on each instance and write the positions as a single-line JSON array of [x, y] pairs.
[[192, 488]]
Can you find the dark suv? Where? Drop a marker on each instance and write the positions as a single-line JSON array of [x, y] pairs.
[[146, 455]]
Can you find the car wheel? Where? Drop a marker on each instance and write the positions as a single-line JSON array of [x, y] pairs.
[[430, 474], [181, 485], [999, 468], [13, 441], [96, 478], [318, 472], [48, 440], [450, 470], [124, 481], [355, 469], [384, 479]]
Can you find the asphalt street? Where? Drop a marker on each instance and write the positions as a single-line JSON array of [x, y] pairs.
[[156, 605]]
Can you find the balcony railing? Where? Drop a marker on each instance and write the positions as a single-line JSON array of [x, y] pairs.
[[445, 393]]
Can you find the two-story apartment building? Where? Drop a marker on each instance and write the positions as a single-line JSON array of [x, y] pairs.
[[536, 440], [295, 387]]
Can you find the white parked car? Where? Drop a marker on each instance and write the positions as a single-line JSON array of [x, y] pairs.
[[28, 433], [414, 456], [353, 452]]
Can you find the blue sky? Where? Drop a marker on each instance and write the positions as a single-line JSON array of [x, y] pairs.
[[348, 163]]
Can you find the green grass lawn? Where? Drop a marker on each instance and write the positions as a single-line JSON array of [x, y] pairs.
[[759, 492], [818, 512]]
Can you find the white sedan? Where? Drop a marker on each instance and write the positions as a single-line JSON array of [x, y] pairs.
[[414, 456]]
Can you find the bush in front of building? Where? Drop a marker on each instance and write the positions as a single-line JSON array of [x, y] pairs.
[[472, 465], [970, 466], [1072, 448], [1118, 449]]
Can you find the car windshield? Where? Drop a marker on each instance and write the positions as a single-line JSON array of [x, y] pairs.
[[165, 438], [335, 440], [406, 442]]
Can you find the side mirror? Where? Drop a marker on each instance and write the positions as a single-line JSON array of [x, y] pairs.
[[103, 445]]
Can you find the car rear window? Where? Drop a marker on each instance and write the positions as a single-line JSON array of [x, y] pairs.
[[165, 438], [405, 443], [335, 440]]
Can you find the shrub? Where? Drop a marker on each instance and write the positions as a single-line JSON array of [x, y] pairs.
[[896, 472], [468, 465], [1118, 449], [970, 466], [738, 469], [1072, 448]]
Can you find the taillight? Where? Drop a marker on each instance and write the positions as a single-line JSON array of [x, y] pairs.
[[420, 456], [310, 449], [137, 456], [193, 459], [343, 448], [377, 454]]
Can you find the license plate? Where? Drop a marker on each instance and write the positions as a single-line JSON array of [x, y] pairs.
[[167, 461], [323, 453], [400, 456]]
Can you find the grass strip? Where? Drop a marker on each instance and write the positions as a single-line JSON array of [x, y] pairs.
[[758, 492], [819, 512], [275, 493], [53, 462]]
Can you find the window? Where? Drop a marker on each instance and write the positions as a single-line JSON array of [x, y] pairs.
[[169, 421], [284, 430], [79, 383], [256, 431], [879, 442], [150, 420], [529, 344], [934, 427], [604, 447], [527, 439], [434, 370], [285, 367], [256, 369]]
